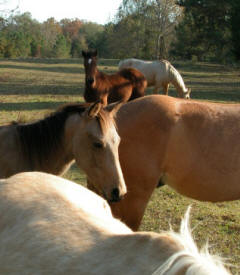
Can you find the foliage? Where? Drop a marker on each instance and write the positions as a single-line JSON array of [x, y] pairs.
[[147, 29], [22, 36], [61, 48], [235, 23], [144, 29], [205, 31]]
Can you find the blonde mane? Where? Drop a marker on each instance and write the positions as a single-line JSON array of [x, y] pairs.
[[190, 260]]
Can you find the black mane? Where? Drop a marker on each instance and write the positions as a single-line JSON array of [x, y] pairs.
[[43, 137]]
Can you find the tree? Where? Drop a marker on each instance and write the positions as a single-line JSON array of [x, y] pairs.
[[78, 44], [143, 28], [70, 28], [235, 29], [62, 47], [50, 31], [91, 32], [204, 31]]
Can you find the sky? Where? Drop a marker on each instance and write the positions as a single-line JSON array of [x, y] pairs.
[[98, 11]]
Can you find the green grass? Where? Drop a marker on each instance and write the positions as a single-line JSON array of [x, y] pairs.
[[29, 88]]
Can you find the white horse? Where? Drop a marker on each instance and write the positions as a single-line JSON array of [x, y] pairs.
[[50, 225], [158, 74]]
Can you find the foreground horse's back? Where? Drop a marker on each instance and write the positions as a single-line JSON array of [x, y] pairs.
[[52, 226]]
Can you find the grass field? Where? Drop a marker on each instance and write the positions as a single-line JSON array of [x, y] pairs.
[[30, 88]]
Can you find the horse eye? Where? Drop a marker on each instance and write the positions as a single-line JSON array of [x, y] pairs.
[[98, 145]]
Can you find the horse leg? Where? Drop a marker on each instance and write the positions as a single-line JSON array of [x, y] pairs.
[[130, 211], [131, 208], [165, 88]]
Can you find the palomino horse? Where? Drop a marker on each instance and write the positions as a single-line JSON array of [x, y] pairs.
[[158, 74], [191, 146], [81, 132], [124, 85], [53, 226]]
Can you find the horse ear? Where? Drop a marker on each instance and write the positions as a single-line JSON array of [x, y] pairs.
[[83, 53], [94, 109], [114, 107]]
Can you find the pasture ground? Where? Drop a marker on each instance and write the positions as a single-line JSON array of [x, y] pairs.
[[29, 88]]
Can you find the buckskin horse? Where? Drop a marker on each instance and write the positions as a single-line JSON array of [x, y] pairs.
[[191, 146], [81, 132], [50, 225], [159, 74], [125, 85]]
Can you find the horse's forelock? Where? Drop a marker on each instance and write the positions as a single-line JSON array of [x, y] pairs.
[[104, 120]]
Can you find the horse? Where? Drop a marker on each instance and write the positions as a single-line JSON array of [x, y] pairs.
[[50, 225], [85, 133], [191, 146], [158, 74], [125, 85]]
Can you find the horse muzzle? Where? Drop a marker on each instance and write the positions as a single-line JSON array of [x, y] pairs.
[[115, 195], [90, 81]]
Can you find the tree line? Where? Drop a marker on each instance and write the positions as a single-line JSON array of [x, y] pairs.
[[148, 29]]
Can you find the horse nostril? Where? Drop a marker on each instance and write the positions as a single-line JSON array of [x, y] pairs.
[[115, 195]]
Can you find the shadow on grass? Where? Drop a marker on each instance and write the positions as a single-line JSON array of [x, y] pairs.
[[202, 67], [61, 69], [101, 61], [29, 106], [212, 96], [18, 89], [226, 96], [228, 84]]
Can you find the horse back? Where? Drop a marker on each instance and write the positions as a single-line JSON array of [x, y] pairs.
[[203, 151], [125, 85], [137, 79]]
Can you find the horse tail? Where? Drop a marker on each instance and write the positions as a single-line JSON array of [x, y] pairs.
[[177, 80], [190, 258]]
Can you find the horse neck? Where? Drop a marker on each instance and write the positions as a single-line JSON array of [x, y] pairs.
[[177, 80], [44, 147]]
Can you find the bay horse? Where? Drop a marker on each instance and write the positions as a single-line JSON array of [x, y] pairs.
[[191, 146], [50, 225], [158, 74], [85, 133], [125, 85]]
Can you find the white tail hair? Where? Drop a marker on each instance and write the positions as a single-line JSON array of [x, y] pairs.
[[190, 261]]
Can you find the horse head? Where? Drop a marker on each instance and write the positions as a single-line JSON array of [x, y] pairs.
[[95, 148], [90, 65]]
